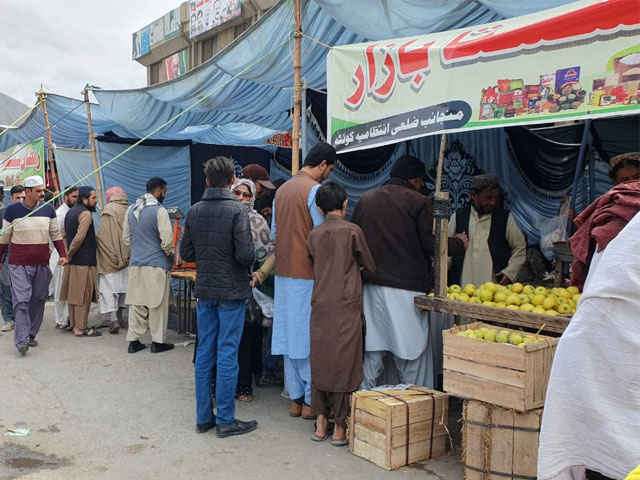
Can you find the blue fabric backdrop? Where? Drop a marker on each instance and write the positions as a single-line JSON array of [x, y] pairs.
[[133, 169]]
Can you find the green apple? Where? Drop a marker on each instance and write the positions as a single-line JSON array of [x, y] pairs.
[[502, 337], [515, 339], [490, 335]]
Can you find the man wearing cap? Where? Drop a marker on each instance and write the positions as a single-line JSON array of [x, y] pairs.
[[295, 214], [113, 258], [397, 221], [27, 227], [79, 279], [497, 248], [624, 167], [264, 188], [70, 198]]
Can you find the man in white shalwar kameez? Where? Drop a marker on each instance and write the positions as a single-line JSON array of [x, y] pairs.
[[591, 415], [70, 198]]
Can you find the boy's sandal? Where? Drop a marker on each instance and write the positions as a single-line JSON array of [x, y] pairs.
[[340, 443], [329, 431]]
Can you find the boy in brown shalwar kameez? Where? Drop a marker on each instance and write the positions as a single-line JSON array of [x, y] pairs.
[[339, 253]]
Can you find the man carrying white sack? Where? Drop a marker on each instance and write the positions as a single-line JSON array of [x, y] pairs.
[[591, 421]]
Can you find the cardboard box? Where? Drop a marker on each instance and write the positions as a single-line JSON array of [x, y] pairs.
[[499, 444], [398, 427], [497, 373]]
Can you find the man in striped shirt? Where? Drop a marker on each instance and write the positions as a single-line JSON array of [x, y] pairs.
[[28, 231]]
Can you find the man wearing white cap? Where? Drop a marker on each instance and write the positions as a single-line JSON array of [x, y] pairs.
[[27, 227]]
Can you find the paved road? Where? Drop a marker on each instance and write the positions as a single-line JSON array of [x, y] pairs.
[[97, 412]]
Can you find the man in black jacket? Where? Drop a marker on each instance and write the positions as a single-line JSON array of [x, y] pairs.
[[397, 221], [218, 238]]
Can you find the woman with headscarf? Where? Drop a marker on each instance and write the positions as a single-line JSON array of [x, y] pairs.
[[250, 350]]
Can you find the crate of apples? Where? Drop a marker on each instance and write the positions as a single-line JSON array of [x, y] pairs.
[[525, 298]]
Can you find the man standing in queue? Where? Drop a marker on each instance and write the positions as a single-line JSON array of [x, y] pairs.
[[79, 287], [70, 198], [147, 229], [218, 238], [28, 226], [296, 214], [397, 221], [497, 248]]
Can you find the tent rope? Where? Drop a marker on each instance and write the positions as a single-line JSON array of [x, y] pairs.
[[42, 100], [21, 117], [146, 137]]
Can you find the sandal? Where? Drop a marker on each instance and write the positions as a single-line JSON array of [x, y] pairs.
[[89, 332], [245, 398], [340, 443], [329, 431]]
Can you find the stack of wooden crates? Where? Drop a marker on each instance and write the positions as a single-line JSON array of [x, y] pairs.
[[393, 428], [504, 388]]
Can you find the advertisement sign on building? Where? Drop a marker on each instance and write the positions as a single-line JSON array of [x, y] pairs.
[[176, 65], [141, 43], [207, 14], [163, 28], [519, 71], [172, 23], [156, 32], [22, 161]]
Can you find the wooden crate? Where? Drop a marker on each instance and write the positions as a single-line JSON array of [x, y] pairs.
[[497, 373], [499, 444], [515, 318], [381, 422]]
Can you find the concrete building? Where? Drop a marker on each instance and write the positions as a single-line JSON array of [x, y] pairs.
[[191, 34]]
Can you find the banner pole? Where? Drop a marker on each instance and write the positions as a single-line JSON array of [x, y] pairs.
[[443, 144], [441, 228], [52, 170], [297, 88], [92, 144]]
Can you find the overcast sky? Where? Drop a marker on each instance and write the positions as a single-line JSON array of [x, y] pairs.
[[65, 44]]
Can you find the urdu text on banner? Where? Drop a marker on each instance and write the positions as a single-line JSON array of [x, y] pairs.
[[577, 61]]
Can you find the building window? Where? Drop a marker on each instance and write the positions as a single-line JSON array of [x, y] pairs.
[[154, 73], [208, 48], [239, 29]]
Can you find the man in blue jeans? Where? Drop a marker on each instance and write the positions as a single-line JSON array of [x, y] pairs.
[[217, 237]]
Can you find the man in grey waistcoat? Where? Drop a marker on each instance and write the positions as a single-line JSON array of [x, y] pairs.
[[147, 229]]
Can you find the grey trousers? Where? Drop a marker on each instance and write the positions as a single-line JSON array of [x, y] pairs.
[[417, 372], [30, 288]]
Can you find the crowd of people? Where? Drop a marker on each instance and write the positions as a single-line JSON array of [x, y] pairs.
[[343, 292]]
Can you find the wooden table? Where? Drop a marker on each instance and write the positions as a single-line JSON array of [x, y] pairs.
[[185, 312], [555, 324]]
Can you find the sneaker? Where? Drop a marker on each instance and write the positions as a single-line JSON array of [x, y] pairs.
[[205, 427], [236, 427], [33, 343], [23, 348], [8, 326], [136, 346], [161, 347]]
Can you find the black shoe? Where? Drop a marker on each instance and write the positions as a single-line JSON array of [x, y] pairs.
[[205, 427], [236, 427], [23, 348], [136, 346], [33, 343], [161, 347]]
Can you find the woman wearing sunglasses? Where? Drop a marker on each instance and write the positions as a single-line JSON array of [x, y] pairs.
[[250, 351]]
